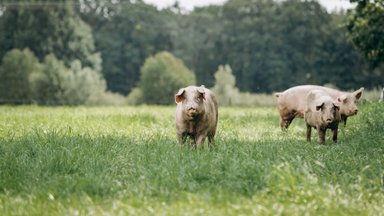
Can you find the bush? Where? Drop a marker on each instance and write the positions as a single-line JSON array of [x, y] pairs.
[[161, 77], [56, 84], [249, 99], [15, 74], [51, 83], [372, 95], [111, 98], [135, 96], [24, 80], [86, 86], [225, 86]]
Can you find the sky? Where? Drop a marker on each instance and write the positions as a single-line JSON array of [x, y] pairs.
[[330, 5]]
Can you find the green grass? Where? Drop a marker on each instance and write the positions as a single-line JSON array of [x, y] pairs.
[[125, 160]]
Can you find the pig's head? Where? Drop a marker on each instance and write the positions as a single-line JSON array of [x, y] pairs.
[[347, 102], [191, 99], [329, 110]]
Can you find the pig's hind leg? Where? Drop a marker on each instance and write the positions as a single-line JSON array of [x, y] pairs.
[[334, 137], [211, 141], [309, 131]]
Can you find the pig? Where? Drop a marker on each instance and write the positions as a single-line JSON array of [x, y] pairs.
[[196, 115], [321, 113], [291, 103]]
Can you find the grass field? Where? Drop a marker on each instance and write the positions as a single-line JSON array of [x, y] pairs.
[[125, 161]]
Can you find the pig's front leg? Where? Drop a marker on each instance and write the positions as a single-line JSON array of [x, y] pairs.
[[309, 130], [322, 135], [334, 137], [200, 139]]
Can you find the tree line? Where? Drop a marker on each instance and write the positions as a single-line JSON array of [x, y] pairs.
[[106, 47]]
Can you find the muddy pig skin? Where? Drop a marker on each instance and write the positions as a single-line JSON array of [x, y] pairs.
[[291, 103], [321, 113], [196, 115]]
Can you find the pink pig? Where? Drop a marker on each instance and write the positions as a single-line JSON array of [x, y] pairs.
[[291, 103], [196, 115], [321, 113]]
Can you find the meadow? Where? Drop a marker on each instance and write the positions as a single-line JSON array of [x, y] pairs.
[[125, 161]]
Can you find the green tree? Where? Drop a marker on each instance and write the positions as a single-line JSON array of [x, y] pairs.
[[225, 86], [272, 45], [250, 38], [161, 76], [339, 63], [365, 28], [126, 38], [86, 86], [15, 74], [56, 84], [47, 27], [50, 85], [196, 39]]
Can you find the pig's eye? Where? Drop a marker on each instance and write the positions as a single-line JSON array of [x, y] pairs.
[[199, 99]]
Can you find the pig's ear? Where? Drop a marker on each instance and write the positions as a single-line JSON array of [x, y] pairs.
[[179, 96], [341, 98], [336, 105], [201, 93], [319, 106], [358, 93]]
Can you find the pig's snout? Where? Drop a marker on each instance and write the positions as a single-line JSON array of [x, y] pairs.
[[328, 119], [192, 111]]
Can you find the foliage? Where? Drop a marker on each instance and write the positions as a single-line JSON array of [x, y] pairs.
[[24, 80], [86, 86], [135, 96], [372, 95], [109, 98], [225, 86], [125, 160], [279, 45], [47, 27], [15, 74], [162, 76], [195, 37], [271, 45], [134, 32], [332, 65], [365, 28], [55, 34], [255, 99], [51, 83]]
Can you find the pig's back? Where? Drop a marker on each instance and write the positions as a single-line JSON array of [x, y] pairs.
[[211, 105], [294, 98]]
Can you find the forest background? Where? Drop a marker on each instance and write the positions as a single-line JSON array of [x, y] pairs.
[[117, 52]]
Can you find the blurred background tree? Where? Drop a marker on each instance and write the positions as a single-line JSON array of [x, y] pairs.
[[161, 77], [365, 29], [50, 84], [195, 39], [15, 75], [48, 27], [225, 86], [87, 86], [271, 45], [126, 38]]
